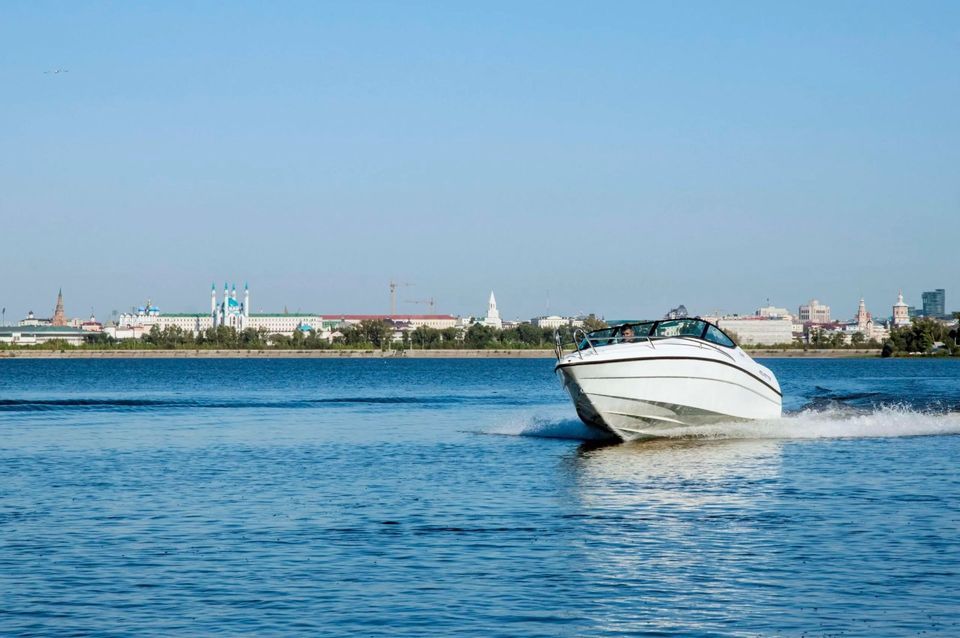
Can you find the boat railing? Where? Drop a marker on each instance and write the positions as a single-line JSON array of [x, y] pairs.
[[584, 337], [703, 343], [557, 344], [583, 340]]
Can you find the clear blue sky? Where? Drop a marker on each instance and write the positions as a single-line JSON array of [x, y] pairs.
[[620, 158]]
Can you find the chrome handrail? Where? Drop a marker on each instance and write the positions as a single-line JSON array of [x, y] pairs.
[[580, 335], [703, 342], [583, 337]]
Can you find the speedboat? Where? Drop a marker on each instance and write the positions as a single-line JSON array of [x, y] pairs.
[[654, 378]]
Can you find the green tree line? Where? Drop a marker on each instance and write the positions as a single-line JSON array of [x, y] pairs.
[[365, 335], [819, 340], [921, 336]]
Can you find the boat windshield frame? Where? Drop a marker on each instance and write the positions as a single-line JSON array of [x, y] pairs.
[[649, 331]]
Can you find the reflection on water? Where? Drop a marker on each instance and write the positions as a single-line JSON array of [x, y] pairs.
[[705, 536], [366, 498], [673, 524], [679, 472]]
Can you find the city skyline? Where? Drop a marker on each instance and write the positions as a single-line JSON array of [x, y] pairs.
[[627, 158], [535, 318], [408, 308]]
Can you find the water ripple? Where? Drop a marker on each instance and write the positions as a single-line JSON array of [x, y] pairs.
[[201, 502]]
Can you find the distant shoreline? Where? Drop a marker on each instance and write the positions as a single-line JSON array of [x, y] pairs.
[[791, 353], [377, 354], [276, 354]]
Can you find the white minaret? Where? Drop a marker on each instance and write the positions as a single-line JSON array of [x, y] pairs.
[[213, 300], [493, 315], [246, 300], [224, 304]]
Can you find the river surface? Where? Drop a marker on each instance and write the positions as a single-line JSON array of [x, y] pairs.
[[462, 497]]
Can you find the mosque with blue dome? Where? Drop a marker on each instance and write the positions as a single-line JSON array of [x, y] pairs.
[[230, 311], [227, 311]]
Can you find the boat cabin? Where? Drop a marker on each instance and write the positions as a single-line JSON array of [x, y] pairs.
[[664, 329]]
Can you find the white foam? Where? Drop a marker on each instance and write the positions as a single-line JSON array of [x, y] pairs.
[[547, 427], [836, 424], [829, 424]]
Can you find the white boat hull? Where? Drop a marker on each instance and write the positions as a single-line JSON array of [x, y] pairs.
[[654, 394]]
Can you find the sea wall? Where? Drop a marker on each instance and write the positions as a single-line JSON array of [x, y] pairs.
[[27, 353], [274, 354], [764, 353]]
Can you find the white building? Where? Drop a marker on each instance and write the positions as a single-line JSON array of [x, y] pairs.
[[862, 324], [140, 320], [553, 322], [284, 324], [32, 320], [757, 330], [901, 312], [866, 326], [229, 311], [233, 313], [36, 335], [492, 319], [814, 312], [128, 331], [773, 311], [411, 322]]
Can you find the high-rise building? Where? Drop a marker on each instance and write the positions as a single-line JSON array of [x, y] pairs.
[[680, 312], [814, 312], [934, 303]]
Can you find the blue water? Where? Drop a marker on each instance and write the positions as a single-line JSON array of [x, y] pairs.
[[418, 498]]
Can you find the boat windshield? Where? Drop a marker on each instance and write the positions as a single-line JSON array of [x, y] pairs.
[[650, 330]]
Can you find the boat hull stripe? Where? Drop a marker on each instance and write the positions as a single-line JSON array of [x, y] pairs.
[[638, 359]]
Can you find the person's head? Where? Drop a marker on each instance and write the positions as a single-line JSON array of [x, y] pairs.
[[628, 333]]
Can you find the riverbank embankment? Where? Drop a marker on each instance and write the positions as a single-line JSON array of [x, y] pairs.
[[371, 354], [275, 354], [790, 353]]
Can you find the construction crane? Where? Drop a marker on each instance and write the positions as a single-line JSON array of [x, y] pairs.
[[393, 295], [431, 303]]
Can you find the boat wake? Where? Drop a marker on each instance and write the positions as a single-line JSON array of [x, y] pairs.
[[840, 422], [836, 423], [543, 426]]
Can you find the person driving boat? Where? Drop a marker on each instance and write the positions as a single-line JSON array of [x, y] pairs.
[[675, 373]]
